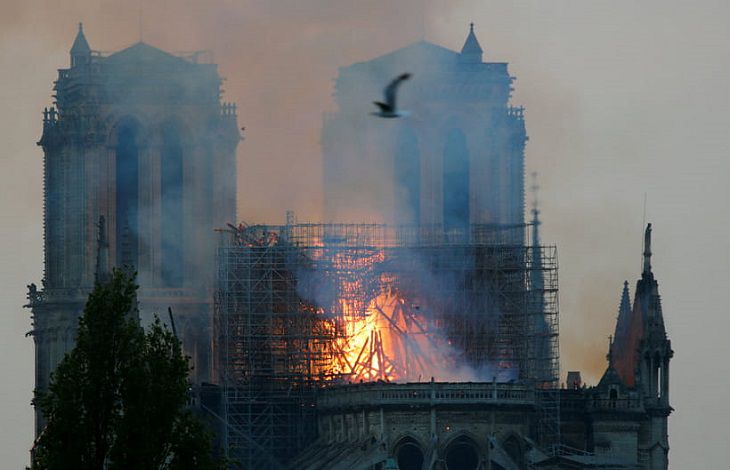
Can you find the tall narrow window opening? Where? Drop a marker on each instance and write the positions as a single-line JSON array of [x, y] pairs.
[[456, 182], [127, 195], [171, 191]]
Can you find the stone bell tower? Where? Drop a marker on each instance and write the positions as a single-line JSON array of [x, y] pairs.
[[457, 159], [141, 138]]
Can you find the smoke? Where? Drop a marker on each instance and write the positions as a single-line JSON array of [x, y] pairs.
[[603, 122], [280, 59]]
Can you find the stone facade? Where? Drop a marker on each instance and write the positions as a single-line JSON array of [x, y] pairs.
[[423, 425]]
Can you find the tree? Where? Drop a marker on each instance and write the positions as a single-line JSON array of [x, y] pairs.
[[118, 399]]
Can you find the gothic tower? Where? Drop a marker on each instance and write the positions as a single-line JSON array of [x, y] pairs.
[[456, 159], [639, 359], [141, 139]]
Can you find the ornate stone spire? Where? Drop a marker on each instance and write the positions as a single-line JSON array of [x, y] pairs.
[[472, 51], [623, 320], [622, 338], [624, 308]]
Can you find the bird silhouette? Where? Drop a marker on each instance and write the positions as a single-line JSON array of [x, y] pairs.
[[389, 109]]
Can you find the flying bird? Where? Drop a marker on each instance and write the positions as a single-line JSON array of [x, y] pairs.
[[389, 108]]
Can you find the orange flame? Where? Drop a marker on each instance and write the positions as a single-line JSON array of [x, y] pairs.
[[390, 341]]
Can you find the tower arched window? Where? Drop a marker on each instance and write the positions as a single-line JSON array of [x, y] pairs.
[[456, 181], [127, 194], [171, 205]]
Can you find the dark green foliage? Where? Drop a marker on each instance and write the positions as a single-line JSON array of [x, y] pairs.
[[117, 401]]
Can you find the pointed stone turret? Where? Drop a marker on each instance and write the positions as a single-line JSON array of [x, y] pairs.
[[623, 321], [471, 52], [637, 376], [641, 351], [619, 342], [80, 51], [651, 360], [640, 327]]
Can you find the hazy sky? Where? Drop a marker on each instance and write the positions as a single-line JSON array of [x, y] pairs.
[[622, 98]]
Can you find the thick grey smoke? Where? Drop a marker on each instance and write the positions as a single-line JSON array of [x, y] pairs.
[[622, 99]]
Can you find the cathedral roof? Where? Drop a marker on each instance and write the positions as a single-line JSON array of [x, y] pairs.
[[610, 377], [80, 45], [144, 54], [439, 75], [419, 52], [427, 60]]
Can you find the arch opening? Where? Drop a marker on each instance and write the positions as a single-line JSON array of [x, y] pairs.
[[462, 454], [127, 194], [513, 448], [657, 375], [171, 190], [409, 455], [456, 182]]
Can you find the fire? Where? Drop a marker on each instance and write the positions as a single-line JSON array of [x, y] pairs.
[[390, 341], [380, 332]]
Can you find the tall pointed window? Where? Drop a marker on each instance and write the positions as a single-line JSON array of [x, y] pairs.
[[456, 182], [127, 194], [171, 190]]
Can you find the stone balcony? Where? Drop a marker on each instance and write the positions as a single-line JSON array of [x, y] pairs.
[[425, 395]]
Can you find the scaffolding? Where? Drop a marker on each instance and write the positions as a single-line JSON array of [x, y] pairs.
[[301, 306]]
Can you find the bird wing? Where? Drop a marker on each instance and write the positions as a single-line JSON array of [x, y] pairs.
[[392, 88], [384, 108]]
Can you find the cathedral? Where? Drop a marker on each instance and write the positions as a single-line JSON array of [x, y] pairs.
[[139, 158], [137, 146]]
